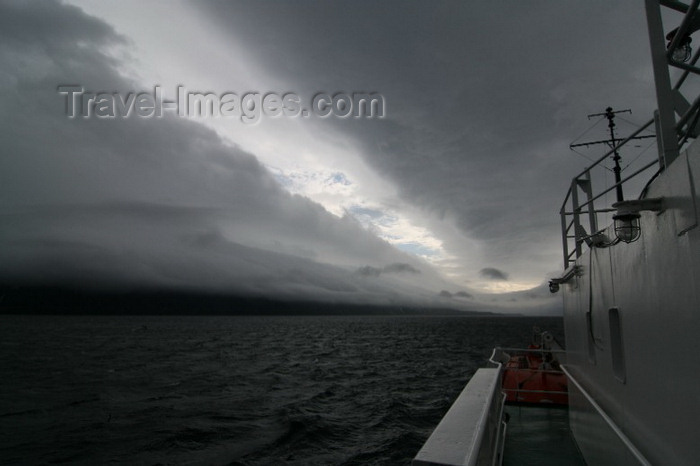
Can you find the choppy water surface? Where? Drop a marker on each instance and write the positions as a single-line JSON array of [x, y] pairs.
[[236, 390]]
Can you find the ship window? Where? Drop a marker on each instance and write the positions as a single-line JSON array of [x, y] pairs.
[[616, 348]]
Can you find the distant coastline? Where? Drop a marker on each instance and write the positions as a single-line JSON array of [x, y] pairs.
[[65, 300]]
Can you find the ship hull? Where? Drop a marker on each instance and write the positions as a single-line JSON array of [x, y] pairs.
[[632, 321]]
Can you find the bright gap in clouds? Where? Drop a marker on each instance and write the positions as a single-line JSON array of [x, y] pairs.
[[409, 181], [341, 195], [322, 166]]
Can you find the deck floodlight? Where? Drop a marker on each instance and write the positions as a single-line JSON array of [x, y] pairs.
[[683, 51], [627, 226]]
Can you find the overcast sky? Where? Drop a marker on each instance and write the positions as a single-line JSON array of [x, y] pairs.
[[456, 188]]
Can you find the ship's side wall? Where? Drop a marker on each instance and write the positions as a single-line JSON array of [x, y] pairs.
[[632, 322]]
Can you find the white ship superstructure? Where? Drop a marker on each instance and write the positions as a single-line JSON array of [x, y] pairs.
[[631, 293]]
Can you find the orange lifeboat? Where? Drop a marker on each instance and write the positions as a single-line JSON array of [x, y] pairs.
[[533, 375]]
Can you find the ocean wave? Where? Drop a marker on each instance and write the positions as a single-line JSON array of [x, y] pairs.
[[237, 390]]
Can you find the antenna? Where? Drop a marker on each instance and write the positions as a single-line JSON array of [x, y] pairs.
[[612, 142]]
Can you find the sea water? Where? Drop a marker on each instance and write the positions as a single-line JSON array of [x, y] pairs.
[[297, 390]]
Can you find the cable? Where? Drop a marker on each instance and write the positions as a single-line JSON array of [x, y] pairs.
[[588, 130], [640, 154], [589, 158], [590, 301]]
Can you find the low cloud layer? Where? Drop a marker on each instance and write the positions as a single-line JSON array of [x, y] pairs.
[[482, 102], [396, 268], [158, 202], [461, 181]]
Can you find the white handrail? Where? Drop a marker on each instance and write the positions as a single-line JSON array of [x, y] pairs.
[[500, 442], [479, 437], [625, 440], [532, 350]]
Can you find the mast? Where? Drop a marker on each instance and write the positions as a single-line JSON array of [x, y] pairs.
[[610, 115], [612, 142]]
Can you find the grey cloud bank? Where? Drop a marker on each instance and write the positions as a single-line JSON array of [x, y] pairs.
[[473, 137], [156, 203], [485, 99], [493, 274]]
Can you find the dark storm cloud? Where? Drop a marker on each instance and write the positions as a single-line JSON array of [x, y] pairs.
[[482, 99], [493, 274], [400, 268], [369, 271], [54, 26], [149, 201], [458, 294], [395, 268], [174, 248]]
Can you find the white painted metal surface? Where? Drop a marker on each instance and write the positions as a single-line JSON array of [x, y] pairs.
[[653, 285], [469, 433], [632, 311], [629, 450]]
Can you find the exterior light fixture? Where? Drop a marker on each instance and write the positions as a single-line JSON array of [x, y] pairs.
[[683, 51], [627, 225], [570, 273]]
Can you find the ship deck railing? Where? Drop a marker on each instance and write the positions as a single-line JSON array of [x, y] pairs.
[[579, 216], [502, 355], [611, 424], [574, 209], [473, 431]]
